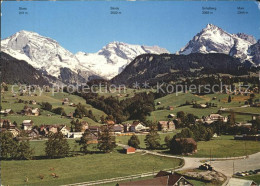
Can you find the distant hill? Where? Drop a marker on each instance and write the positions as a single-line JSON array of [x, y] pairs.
[[170, 67], [19, 71]]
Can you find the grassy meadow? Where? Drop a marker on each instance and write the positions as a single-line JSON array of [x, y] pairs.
[[225, 146], [221, 100], [82, 168], [219, 147], [54, 99], [124, 139]]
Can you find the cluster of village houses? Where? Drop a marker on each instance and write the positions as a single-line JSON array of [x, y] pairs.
[[35, 131]]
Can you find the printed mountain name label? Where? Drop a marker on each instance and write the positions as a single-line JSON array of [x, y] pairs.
[[115, 10], [241, 10], [208, 10], [23, 10]]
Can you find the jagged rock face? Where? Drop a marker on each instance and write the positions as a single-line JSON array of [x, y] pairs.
[[40, 52], [46, 54], [255, 52], [114, 57], [213, 39], [246, 37], [69, 77]]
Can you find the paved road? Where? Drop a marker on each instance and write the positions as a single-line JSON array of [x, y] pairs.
[[226, 167], [222, 165]]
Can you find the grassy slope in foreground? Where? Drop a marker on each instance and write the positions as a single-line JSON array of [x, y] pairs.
[[54, 99], [226, 146], [82, 168], [220, 147]]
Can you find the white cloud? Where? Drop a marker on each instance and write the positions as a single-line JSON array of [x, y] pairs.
[[258, 4]]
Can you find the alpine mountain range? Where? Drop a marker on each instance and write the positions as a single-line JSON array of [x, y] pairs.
[[52, 63]]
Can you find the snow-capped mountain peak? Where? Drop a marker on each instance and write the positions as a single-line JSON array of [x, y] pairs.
[[49, 56], [39, 51], [114, 57], [213, 39]]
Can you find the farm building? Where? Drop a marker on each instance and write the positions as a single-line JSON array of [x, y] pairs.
[[162, 179], [6, 112], [129, 150], [118, 128], [171, 116], [138, 127], [34, 133], [75, 134], [94, 129], [166, 126], [110, 122], [170, 108], [27, 125], [36, 112], [6, 123], [64, 130], [15, 131], [247, 137], [127, 127], [241, 182], [70, 115]]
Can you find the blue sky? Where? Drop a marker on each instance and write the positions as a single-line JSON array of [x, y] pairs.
[[88, 26]]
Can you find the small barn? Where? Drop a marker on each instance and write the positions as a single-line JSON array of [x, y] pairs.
[[129, 150]]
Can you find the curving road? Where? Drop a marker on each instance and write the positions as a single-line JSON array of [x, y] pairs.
[[223, 165]]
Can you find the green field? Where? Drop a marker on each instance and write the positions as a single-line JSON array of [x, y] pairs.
[[54, 99], [122, 94], [124, 139], [221, 101], [82, 168], [226, 146], [220, 147], [39, 146]]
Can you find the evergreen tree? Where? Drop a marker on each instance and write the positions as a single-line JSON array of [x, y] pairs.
[[181, 115], [209, 134], [80, 111], [84, 141], [134, 142], [15, 124], [77, 125], [8, 145], [59, 111], [231, 119], [181, 146], [152, 140], [229, 99], [57, 146], [185, 133], [167, 141], [46, 106], [106, 142], [24, 151], [102, 119], [256, 123]]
